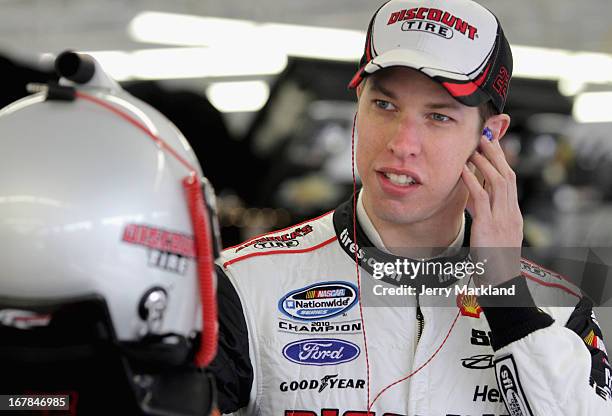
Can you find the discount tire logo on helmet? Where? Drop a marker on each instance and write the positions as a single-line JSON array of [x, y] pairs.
[[321, 351], [319, 301], [167, 250]]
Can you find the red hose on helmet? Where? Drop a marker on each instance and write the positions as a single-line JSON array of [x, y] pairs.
[[204, 258]]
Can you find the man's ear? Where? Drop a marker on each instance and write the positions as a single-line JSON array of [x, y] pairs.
[[498, 124], [359, 88]]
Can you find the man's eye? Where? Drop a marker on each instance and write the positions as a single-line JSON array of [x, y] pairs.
[[384, 105], [440, 117]]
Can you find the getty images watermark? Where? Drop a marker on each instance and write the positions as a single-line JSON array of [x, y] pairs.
[[401, 269], [568, 273], [412, 269]]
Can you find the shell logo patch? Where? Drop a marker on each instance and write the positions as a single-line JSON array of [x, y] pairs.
[[468, 305], [594, 341]]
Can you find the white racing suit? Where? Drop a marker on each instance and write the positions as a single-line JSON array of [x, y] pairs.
[[292, 339]]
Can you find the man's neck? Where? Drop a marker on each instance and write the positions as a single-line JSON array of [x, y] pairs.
[[439, 231]]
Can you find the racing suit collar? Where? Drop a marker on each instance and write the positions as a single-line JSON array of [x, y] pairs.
[[368, 253]]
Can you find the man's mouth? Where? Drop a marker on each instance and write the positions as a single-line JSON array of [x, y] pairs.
[[400, 179]]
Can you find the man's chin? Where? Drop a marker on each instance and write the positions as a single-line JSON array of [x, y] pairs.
[[400, 213]]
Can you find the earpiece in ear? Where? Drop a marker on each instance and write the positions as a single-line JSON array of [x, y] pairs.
[[488, 134]]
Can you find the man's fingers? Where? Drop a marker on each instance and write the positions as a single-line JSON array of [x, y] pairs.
[[496, 183], [495, 154], [479, 203]]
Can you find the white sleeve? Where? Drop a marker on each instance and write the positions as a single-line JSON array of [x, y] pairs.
[[548, 368]]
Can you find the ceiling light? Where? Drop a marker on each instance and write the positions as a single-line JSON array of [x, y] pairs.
[[573, 68], [175, 63], [570, 87], [117, 64], [238, 96], [294, 40], [187, 30], [205, 62], [539, 63], [593, 107], [314, 42]]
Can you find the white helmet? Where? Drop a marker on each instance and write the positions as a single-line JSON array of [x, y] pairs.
[[93, 205]]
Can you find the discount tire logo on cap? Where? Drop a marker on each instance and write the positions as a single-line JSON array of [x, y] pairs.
[[319, 301]]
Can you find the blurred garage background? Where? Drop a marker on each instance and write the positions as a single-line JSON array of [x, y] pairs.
[[258, 89]]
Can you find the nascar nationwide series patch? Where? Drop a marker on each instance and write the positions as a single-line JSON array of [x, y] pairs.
[[319, 301]]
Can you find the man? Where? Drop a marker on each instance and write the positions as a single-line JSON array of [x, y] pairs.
[[302, 330]]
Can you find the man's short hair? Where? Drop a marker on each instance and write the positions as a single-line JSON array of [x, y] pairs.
[[485, 111]]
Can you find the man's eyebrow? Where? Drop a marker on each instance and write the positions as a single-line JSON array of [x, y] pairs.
[[377, 85], [441, 105], [446, 105]]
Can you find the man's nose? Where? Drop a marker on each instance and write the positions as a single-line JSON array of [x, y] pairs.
[[406, 139]]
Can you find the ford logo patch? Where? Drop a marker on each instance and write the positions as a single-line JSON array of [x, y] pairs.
[[321, 351], [319, 301]]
